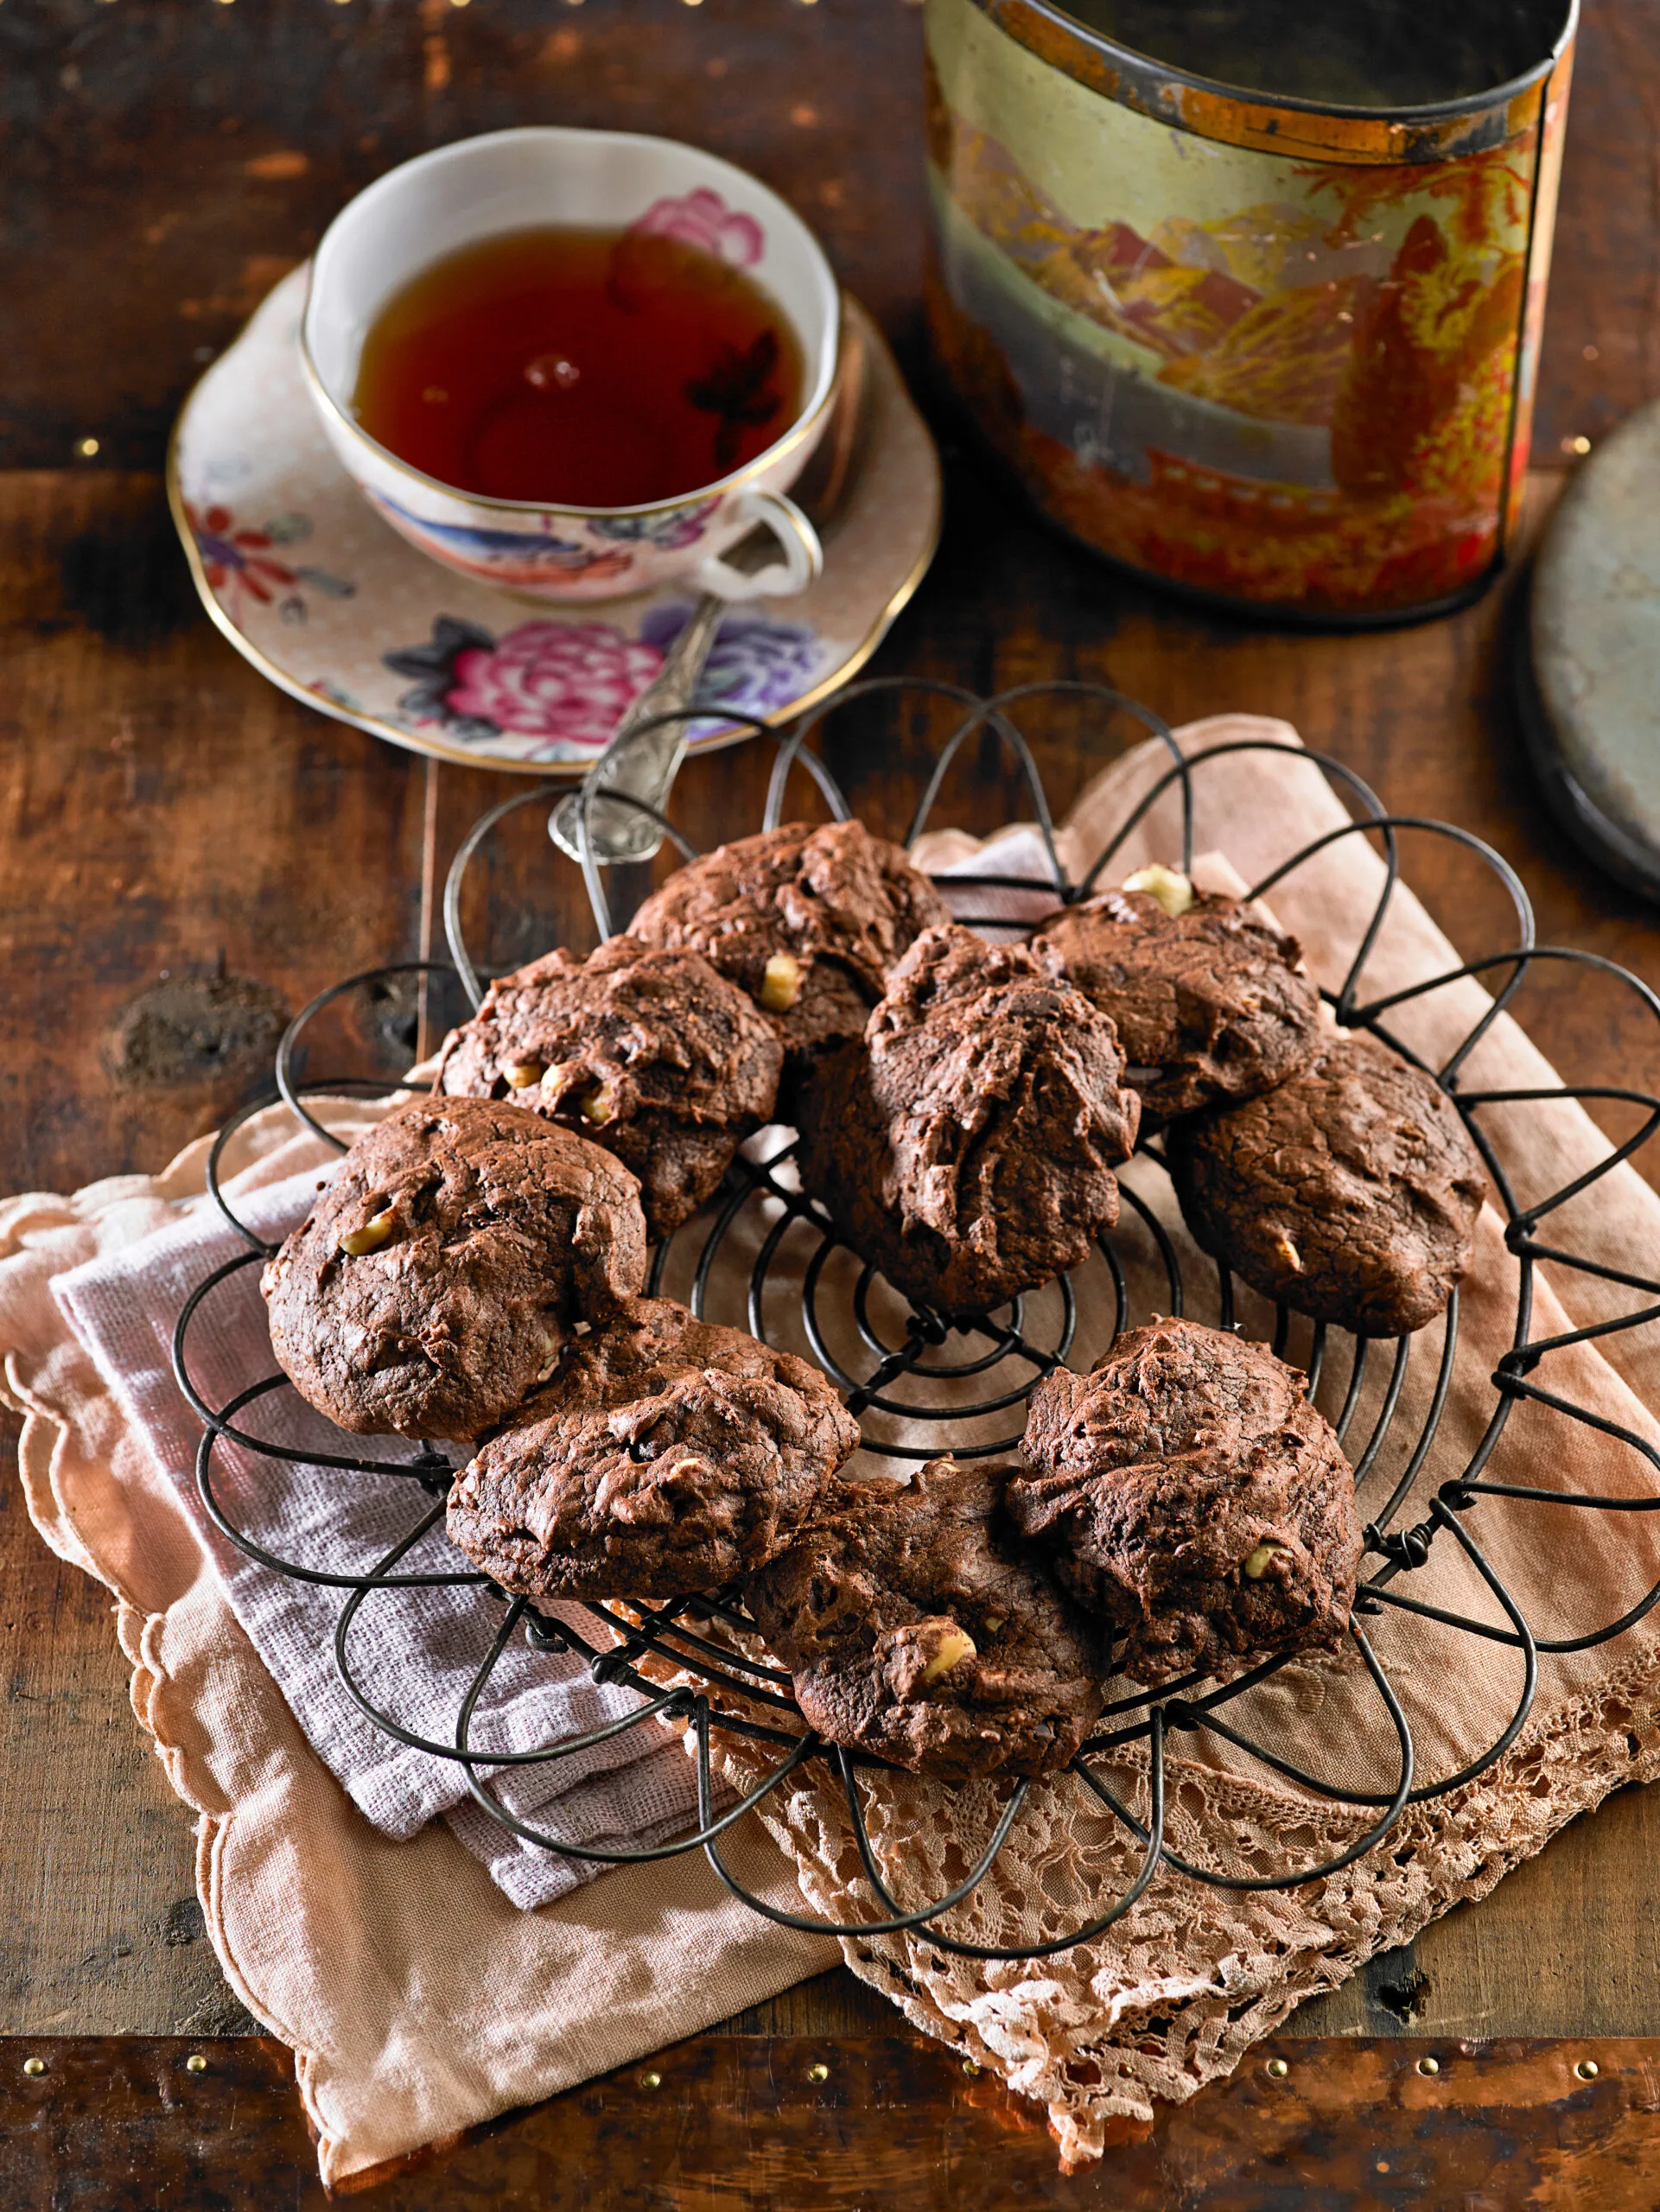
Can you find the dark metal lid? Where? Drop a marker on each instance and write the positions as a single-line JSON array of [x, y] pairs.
[[1590, 689]]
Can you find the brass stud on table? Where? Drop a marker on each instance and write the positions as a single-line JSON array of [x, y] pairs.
[[1276, 2069], [33, 2066], [1588, 2070], [1429, 2066], [651, 2079], [970, 2067], [818, 2071], [195, 2063]]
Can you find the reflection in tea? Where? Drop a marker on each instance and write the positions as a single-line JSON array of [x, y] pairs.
[[590, 368]]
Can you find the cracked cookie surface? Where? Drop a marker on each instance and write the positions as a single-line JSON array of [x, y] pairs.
[[807, 920], [1350, 1193], [1208, 1002], [441, 1268], [915, 1630], [665, 1457], [645, 1050], [1187, 1492], [965, 1145]]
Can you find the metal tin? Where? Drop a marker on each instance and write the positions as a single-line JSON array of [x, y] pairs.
[[1275, 351]]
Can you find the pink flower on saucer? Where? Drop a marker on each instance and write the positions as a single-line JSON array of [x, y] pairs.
[[560, 683], [703, 218]]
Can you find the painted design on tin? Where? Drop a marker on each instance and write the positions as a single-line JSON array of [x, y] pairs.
[[1307, 397]]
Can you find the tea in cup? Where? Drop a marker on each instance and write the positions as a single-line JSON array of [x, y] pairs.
[[577, 364]]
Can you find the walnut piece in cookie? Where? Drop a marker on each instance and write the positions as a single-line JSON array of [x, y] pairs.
[[1187, 1493], [1350, 1193], [1207, 997], [645, 1050], [438, 1273], [965, 1147], [808, 921], [915, 1630], [665, 1457]]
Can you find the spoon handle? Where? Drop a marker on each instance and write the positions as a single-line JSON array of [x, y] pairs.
[[643, 754]]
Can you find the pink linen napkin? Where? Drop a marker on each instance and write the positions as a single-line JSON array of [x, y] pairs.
[[419, 1998], [414, 1651]]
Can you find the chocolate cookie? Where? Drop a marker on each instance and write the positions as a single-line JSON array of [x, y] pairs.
[[646, 1051], [808, 921], [966, 1147], [1206, 998], [665, 1457], [1187, 1492], [438, 1273], [1350, 1193], [916, 1631]]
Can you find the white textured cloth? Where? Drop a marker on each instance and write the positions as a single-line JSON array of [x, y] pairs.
[[995, 907], [413, 1652]]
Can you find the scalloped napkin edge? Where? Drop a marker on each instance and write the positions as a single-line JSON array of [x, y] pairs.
[[419, 2000]]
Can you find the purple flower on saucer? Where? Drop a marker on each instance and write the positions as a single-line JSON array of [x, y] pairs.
[[755, 666]]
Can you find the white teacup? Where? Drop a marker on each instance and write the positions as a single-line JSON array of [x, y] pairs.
[[513, 180]]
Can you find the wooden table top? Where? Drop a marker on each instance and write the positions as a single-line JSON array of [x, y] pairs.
[[189, 854]]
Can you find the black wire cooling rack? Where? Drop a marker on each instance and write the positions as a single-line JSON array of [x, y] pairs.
[[714, 1679]]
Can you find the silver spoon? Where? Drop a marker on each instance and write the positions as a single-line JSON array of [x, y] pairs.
[[643, 755]]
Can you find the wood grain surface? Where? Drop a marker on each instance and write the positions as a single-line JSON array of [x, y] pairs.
[[780, 2123], [189, 855]]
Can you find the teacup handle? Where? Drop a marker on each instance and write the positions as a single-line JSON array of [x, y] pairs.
[[802, 555]]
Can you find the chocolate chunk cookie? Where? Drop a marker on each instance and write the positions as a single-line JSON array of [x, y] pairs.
[[647, 1052], [438, 1273], [665, 1457], [916, 1631], [965, 1147], [1206, 998], [1350, 1193], [1187, 1492], [807, 921]]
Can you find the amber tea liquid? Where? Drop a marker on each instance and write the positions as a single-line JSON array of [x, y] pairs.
[[592, 368]]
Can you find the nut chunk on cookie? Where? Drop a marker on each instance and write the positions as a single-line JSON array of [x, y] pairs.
[[437, 1274], [666, 1458], [1187, 1492], [916, 1631], [647, 1052], [1207, 998], [966, 1147], [807, 921], [1350, 1193]]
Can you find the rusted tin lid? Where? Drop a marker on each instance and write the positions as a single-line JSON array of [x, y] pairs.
[[1145, 54]]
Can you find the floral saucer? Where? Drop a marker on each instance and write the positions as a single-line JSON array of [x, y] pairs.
[[328, 601]]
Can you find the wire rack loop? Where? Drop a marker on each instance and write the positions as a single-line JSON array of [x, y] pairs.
[[696, 1664]]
